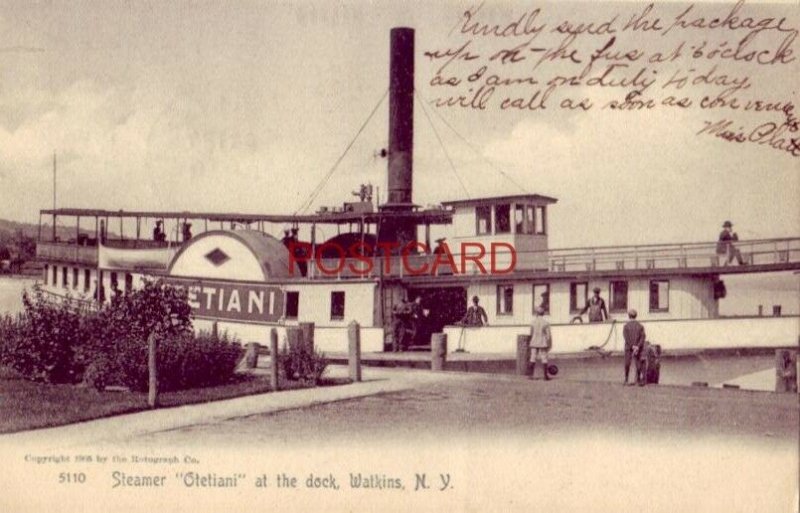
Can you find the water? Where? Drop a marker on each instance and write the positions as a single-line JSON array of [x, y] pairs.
[[745, 293], [11, 293]]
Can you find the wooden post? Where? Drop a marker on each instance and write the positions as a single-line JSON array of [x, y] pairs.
[[251, 355], [308, 335], [152, 367], [523, 354], [354, 350], [294, 337], [438, 351], [273, 353], [785, 370]]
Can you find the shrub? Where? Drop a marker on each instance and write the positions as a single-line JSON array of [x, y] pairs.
[[42, 343], [65, 342], [116, 350], [9, 331], [298, 362], [184, 361]]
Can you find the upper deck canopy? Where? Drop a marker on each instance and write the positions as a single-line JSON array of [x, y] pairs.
[[535, 199], [430, 216]]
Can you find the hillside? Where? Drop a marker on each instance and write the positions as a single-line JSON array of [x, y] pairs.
[[9, 229]]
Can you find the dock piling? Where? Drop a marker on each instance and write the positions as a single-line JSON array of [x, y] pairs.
[[354, 351], [523, 355], [274, 358]]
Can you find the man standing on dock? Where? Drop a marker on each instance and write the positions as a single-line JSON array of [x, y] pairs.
[[634, 336], [401, 318], [596, 306], [541, 342]]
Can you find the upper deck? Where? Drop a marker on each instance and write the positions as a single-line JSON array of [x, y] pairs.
[[697, 258]]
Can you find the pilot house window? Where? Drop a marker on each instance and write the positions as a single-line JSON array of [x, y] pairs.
[[502, 218], [483, 220], [540, 221], [337, 305]]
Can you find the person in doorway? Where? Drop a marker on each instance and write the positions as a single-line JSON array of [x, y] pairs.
[[634, 336], [596, 306], [418, 320], [401, 318], [725, 244], [540, 343], [476, 315]]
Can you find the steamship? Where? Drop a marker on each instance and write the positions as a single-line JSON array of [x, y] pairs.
[[244, 280]]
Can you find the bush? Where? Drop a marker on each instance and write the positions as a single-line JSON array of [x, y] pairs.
[[300, 363], [42, 343], [184, 361], [9, 331]]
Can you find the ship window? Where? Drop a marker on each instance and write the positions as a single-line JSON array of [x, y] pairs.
[[619, 296], [541, 221], [55, 275], [292, 304], [502, 218], [519, 219], [578, 296], [46, 273], [337, 305], [128, 282], [483, 220], [87, 278], [64, 277], [114, 282], [541, 297], [659, 296], [101, 288], [530, 212], [523, 218], [505, 299], [74, 277]]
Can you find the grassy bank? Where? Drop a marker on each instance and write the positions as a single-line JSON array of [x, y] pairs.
[[28, 405]]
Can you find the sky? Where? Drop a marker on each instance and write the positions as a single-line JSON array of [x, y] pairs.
[[245, 106]]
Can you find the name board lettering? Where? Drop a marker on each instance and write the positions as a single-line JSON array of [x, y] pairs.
[[233, 301]]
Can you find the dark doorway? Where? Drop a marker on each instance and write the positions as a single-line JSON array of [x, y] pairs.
[[446, 306]]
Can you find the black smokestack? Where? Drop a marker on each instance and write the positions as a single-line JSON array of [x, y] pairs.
[[401, 117]]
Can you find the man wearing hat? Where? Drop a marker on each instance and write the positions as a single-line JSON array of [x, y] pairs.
[[541, 342], [725, 245], [634, 336], [476, 315], [596, 307]]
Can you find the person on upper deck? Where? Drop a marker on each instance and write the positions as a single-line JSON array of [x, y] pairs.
[[476, 315], [725, 244], [596, 306], [187, 231], [158, 232]]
